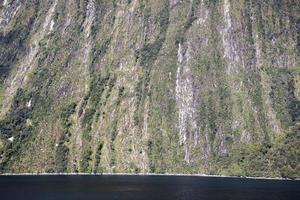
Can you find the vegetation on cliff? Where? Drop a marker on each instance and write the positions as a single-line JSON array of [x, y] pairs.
[[170, 86]]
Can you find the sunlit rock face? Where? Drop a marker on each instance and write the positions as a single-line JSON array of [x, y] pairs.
[[8, 11], [185, 98], [171, 86]]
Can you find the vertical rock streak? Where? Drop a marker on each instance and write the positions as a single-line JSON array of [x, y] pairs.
[[21, 76], [257, 51], [185, 100], [85, 52], [230, 48], [90, 17], [27, 64]]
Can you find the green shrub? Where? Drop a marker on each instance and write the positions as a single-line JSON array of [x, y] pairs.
[[62, 152], [15, 125], [84, 163]]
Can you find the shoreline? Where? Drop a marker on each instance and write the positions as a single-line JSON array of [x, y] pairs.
[[143, 174]]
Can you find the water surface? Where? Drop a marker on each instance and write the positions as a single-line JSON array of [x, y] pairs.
[[145, 187]]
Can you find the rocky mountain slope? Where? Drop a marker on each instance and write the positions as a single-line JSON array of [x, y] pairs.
[[164, 86]]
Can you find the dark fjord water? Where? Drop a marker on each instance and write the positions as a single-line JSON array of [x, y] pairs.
[[144, 187]]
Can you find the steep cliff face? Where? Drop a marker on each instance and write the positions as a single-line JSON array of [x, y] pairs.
[[170, 86]]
